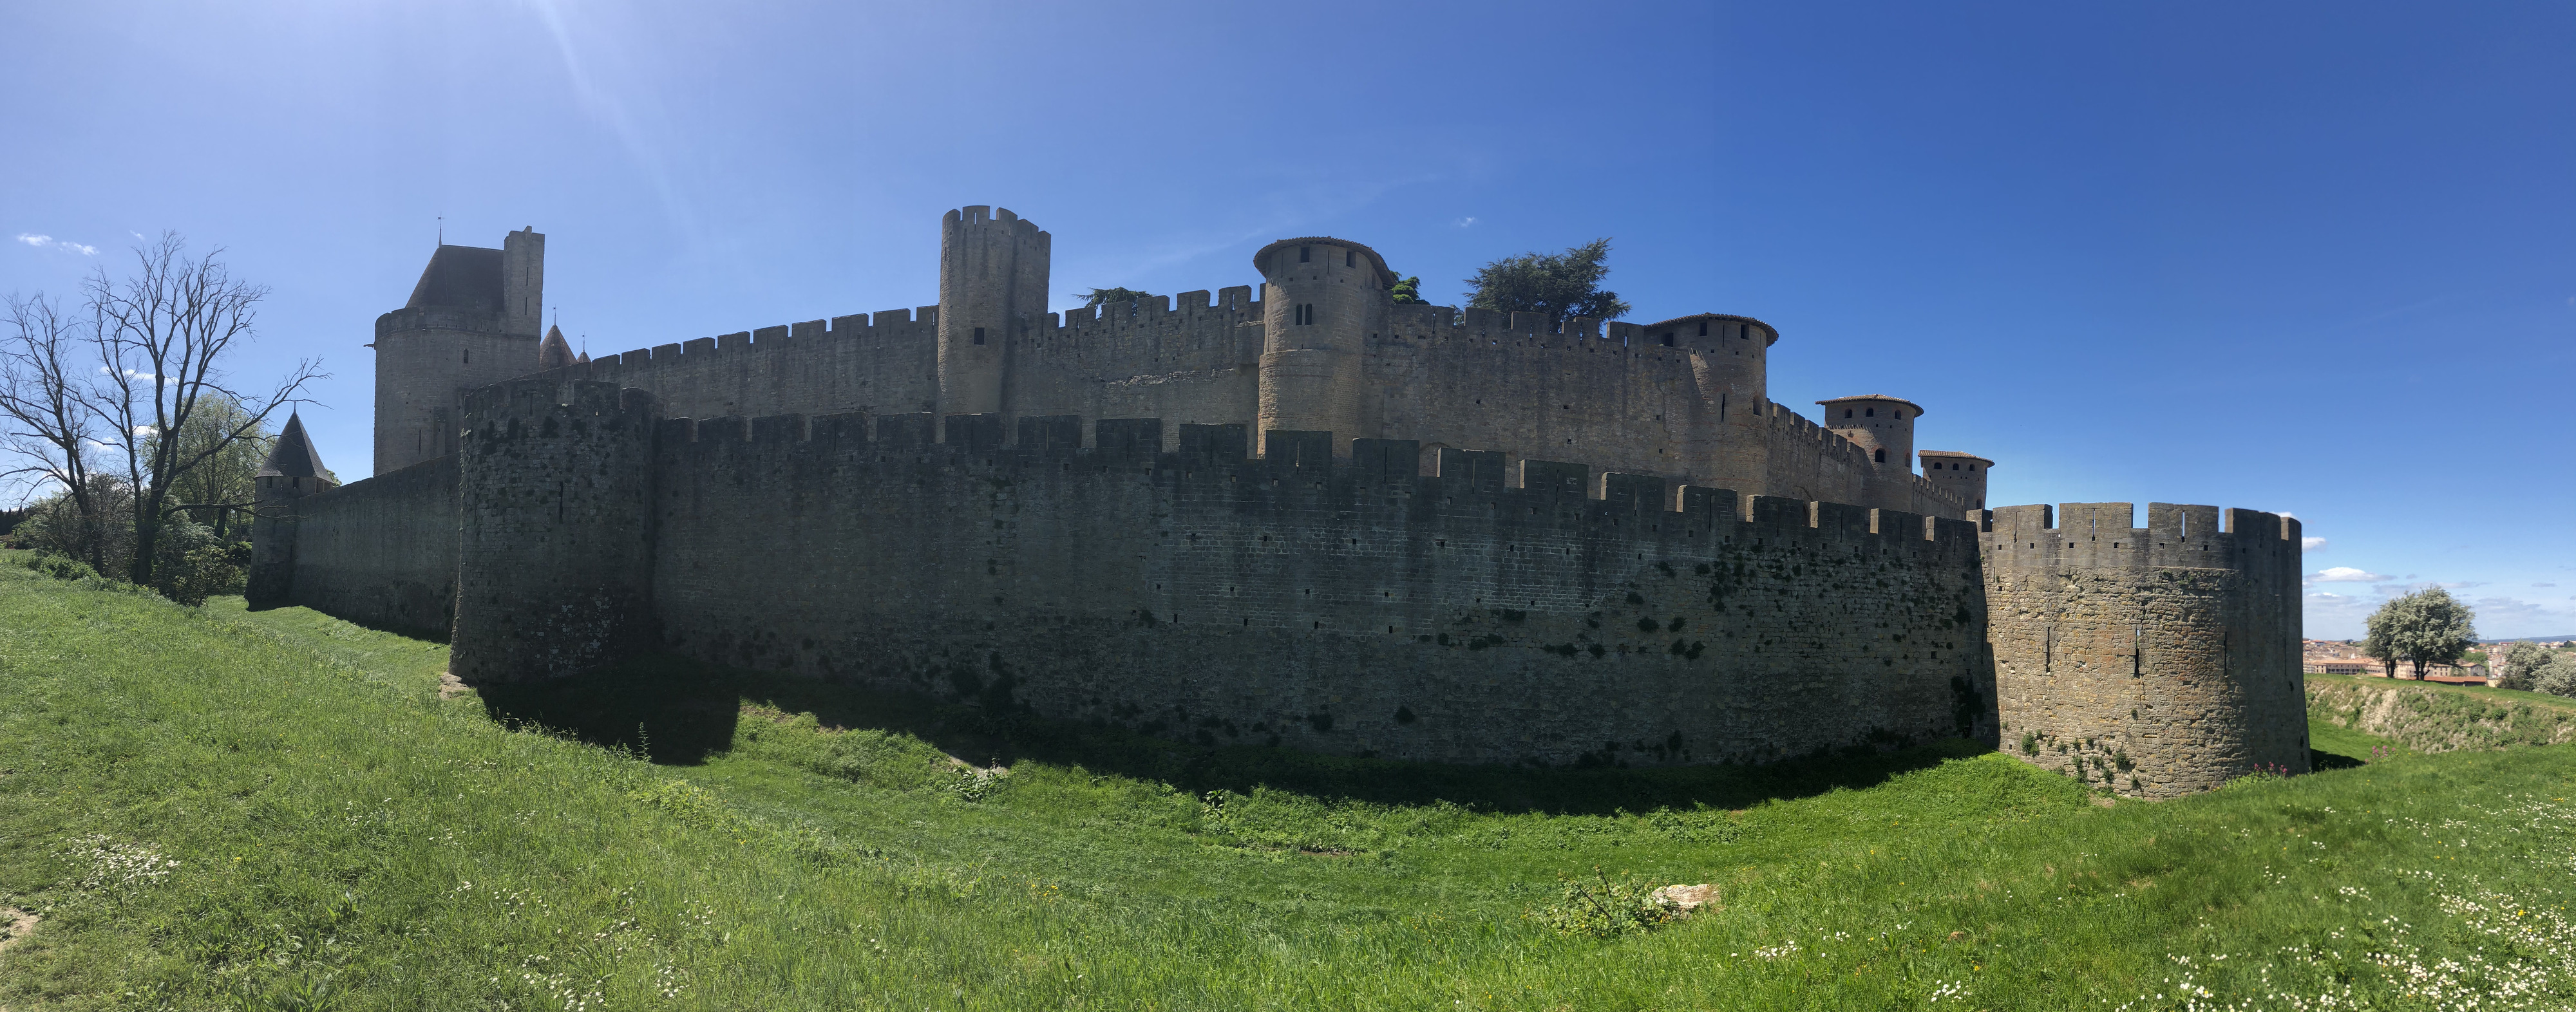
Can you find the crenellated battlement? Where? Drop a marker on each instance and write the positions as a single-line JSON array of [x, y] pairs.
[[887, 329], [2159, 660], [2100, 536], [1217, 458]]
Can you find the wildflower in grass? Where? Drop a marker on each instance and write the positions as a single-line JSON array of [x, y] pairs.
[[114, 867]]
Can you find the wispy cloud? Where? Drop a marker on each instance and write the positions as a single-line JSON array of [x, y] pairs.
[[1467, 222], [2312, 544], [49, 242], [2346, 574]]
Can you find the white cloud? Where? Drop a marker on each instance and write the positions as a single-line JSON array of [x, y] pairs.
[[2346, 574], [2312, 544], [49, 242], [1466, 222]]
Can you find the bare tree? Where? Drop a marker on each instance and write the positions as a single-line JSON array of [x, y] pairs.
[[162, 333], [48, 425]]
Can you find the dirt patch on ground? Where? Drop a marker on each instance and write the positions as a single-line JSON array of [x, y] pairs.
[[450, 687], [15, 926]]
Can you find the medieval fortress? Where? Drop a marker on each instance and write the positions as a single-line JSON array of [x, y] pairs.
[[1315, 518]]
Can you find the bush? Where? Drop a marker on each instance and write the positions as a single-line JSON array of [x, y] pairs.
[[1605, 907], [59, 567], [2557, 679], [190, 566]]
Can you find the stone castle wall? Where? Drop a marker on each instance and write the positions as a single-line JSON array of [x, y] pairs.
[[380, 552], [2161, 660], [1489, 611], [554, 527], [1474, 379], [1345, 605]]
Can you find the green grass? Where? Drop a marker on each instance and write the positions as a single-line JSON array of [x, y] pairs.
[[2334, 746], [219, 809], [2434, 717]]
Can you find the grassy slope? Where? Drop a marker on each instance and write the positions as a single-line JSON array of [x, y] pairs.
[[2433, 717], [340, 829]]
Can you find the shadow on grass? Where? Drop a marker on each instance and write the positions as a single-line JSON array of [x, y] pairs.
[[2321, 761], [431, 634], [679, 712]]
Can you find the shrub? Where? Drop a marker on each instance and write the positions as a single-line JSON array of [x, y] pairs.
[[59, 567], [191, 566], [2557, 679], [1604, 907]]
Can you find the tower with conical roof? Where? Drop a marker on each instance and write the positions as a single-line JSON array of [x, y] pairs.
[[554, 353], [473, 320], [292, 471]]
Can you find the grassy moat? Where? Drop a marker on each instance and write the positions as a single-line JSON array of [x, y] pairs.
[[227, 810]]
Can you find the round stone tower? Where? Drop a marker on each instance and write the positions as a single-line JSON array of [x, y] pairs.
[[1735, 349], [992, 289], [1961, 474], [1880, 424], [554, 554], [2156, 661], [1321, 300]]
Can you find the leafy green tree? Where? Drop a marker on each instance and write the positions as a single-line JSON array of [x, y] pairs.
[[1556, 285], [2558, 679], [1113, 297], [1408, 291], [220, 488], [2520, 663], [2423, 628]]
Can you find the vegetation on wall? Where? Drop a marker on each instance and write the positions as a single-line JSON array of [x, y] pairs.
[[1554, 285], [1098, 297]]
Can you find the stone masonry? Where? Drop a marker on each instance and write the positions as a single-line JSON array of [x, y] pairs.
[[1316, 518]]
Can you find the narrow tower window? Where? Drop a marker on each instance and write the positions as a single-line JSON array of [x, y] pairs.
[[1871, 412], [1882, 456], [979, 335], [1350, 258], [469, 356], [1846, 412], [1305, 253], [1703, 328], [1668, 339]]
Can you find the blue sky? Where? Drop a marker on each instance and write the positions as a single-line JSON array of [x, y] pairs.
[[2307, 257]]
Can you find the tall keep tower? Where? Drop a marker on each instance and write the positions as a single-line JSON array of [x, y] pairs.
[[992, 289], [473, 320], [1322, 298]]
